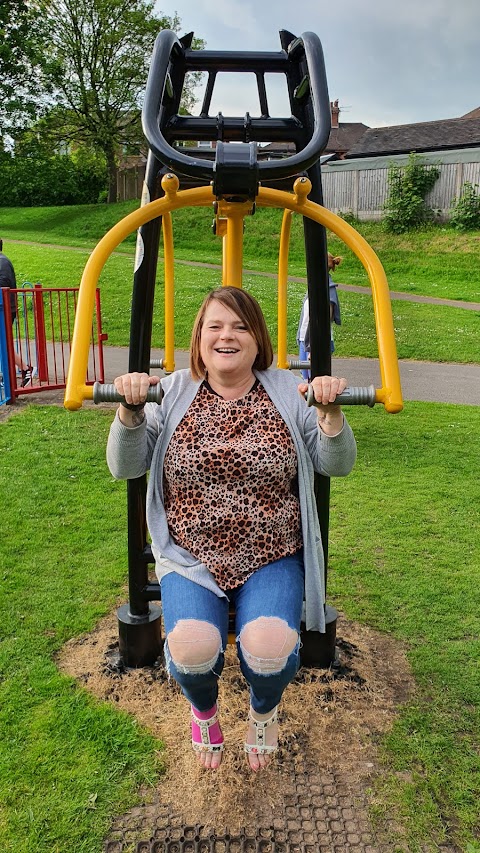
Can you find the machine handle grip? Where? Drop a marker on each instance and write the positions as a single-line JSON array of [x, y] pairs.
[[355, 396], [109, 394]]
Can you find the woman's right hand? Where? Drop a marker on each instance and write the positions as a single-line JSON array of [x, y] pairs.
[[134, 387]]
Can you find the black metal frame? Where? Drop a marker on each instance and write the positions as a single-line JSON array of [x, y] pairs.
[[235, 174]]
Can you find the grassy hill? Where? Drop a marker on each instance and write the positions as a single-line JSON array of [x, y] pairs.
[[433, 261], [436, 261]]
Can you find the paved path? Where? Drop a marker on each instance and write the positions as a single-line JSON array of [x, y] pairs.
[[421, 380], [353, 288]]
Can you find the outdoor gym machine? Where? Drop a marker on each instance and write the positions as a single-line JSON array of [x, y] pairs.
[[235, 183]]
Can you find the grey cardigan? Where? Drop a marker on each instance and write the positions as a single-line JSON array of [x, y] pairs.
[[132, 451]]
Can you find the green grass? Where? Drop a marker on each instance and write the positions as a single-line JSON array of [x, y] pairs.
[[404, 559], [425, 332], [67, 762], [434, 261], [76, 225]]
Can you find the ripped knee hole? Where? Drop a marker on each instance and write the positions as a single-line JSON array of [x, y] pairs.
[[193, 642], [267, 643]]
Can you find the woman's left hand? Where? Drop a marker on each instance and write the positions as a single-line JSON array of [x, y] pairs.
[[325, 390]]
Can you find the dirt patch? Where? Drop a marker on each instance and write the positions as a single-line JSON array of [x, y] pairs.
[[331, 718], [43, 398], [53, 398], [7, 410]]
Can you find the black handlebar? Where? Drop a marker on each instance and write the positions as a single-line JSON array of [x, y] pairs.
[[349, 397], [355, 396], [167, 45], [109, 394], [168, 50], [289, 166]]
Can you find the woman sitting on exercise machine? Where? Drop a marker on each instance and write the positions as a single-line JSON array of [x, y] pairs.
[[231, 510]]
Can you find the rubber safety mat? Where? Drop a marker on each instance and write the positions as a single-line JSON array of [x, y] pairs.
[[320, 815]]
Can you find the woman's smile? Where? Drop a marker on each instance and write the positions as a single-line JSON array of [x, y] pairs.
[[226, 345]]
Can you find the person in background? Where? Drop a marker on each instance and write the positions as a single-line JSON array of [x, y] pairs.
[[8, 279], [303, 333], [231, 511]]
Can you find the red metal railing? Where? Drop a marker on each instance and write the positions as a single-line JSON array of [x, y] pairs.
[[41, 334]]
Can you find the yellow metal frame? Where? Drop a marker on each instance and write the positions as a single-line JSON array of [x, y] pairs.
[[229, 222], [168, 264], [77, 391], [282, 360]]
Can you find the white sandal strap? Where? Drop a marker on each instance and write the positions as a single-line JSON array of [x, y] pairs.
[[210, 747], [259, 750], [262, 724], [260, 747], [204, 723]]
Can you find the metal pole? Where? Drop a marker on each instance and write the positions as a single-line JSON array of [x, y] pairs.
[[139, 622]]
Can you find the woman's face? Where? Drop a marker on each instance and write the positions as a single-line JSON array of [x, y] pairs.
[[227, 348]]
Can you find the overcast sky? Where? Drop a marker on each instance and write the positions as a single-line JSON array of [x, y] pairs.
[[387, 61]]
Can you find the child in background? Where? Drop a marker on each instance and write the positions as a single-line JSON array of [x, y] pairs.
[[303, 333], [8, 279]]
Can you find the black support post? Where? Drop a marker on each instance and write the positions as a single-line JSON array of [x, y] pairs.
[[317, 649], [139, 622]]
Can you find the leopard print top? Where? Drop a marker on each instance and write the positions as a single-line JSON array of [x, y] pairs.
[[230, 476]]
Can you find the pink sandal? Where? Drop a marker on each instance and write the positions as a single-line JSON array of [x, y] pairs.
[[206, 732]]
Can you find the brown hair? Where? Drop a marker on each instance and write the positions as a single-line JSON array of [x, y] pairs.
[[333, 262], [250, 313]]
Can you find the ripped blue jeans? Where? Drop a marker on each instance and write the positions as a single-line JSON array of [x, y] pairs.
[[275, 590]]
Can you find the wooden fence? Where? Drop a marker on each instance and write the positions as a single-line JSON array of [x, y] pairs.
[[360, 186], [130, 182]]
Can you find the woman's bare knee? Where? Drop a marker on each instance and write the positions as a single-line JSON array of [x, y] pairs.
[[267, 642], [193, 642]]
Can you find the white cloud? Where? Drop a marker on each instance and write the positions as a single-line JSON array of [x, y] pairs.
[[387, 62], [234, 15]]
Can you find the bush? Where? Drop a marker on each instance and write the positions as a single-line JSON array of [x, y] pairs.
[[465, 212], [349, 217], [405, 207], [42, 180]]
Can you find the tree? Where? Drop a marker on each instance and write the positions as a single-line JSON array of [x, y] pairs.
[[21, 36], [97, 57], [37, 177]]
